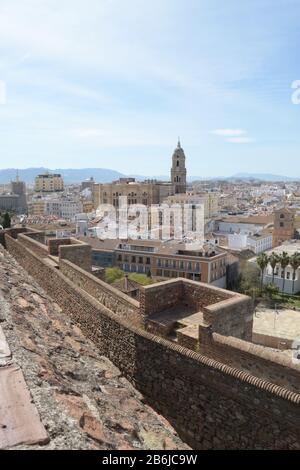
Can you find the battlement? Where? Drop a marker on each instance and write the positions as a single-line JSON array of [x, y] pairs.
[[216, 387]]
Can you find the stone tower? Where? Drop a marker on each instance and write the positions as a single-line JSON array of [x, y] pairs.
[[178, 170], [284, 226]]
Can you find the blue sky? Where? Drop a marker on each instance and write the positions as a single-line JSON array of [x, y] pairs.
[[112, 83]]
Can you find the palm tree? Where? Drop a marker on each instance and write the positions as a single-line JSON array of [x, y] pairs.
[[284, 262], [295, 263], [262, 261], [274, 260]]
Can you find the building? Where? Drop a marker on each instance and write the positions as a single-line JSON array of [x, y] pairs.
[[15, 200], [87, 184], [284, 226], [65, 208], [287, 280], [19, 188], [9, 202], [178, 170], [246, 225], [36, 207], [148, 192], [257, 242], [210, 200], [49, 183]]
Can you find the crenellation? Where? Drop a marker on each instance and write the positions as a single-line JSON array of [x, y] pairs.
[[208, 394]]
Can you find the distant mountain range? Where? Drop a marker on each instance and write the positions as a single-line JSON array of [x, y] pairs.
[[105, 175]]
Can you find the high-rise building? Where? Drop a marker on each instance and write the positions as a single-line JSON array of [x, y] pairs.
[[178, 170], [48, 183], [19, 188]]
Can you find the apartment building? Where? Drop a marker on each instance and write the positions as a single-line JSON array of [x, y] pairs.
[[48, 183], [170, 260]]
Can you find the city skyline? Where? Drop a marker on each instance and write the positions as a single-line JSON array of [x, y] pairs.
[[76, 95]]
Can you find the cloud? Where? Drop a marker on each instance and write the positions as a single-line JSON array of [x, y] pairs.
[[228, 132], [233, 136], [239, 140]]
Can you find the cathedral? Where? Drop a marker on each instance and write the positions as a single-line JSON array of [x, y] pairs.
[[148, 192], [178, 170]]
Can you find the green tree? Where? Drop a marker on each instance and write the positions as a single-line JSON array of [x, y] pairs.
[[295, 263], [271, 289], [262, 262], [274, 260], [249, 280], [284, 262], [6, 221], [112, 274]]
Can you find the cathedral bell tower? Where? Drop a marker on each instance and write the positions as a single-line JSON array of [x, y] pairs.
[[178, 170]]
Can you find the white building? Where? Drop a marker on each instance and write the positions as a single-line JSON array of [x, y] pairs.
[[257, 243], [64, 208], [290, 248]]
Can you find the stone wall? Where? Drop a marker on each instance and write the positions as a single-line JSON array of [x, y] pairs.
[[78, 253], [252, 358], [232, 317], [212, 405], [156, 298], [55, 243], [123, 305], [32, 244]]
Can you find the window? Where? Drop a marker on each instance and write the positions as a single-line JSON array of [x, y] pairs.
[[282, 216], [281, 224]]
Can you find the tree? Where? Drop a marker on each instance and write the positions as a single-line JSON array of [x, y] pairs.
[[295, 264], [6, 221], [284, 262], [112, 274], [249, 280], [271, 289], [274, 260], [262, 261]]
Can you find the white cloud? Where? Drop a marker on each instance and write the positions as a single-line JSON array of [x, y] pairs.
[[228, 132]]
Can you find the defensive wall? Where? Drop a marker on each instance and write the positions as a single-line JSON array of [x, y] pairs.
[[211, 399]]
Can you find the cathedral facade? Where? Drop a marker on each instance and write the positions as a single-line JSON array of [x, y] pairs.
[[148, 192]]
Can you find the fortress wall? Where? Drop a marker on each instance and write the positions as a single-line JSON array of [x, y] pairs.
[[255, 359], [121, 304], [212, 405], [78, 253], [55, 243], [32, 244]]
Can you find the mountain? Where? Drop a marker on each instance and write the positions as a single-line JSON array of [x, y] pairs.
[[71, 175], [264, 177], [105, 175]]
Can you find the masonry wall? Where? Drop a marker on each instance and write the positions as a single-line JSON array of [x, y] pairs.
[[79, 254], [210, 404], [254, 359], [231, 317], [107, 295], [34, 245], [55, 243]]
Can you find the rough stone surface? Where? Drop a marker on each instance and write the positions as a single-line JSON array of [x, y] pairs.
[[83, 400]]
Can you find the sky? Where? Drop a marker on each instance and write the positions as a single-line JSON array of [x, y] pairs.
[[113, 83]]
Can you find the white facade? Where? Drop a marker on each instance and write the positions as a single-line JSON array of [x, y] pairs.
[[260, 243], [284, 278], [66, 209]]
